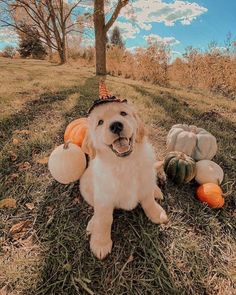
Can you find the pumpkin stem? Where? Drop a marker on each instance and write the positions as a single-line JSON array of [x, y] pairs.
[[66, 144], [194, 129], [182, 156]]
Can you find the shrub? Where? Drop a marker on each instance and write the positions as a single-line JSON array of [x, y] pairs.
[[150, 64], [9, 52], [213, 70], [30, 44]]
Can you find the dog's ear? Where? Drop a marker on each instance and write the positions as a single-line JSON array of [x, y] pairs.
[[88, 147], [141, 131]]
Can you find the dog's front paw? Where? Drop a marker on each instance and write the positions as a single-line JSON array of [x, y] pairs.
[[100, 248], [158, 215]]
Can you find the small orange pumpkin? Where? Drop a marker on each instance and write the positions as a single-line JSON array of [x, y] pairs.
[[76, 130], [211, 194]]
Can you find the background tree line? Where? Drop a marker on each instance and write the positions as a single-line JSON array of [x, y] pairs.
[[52, 21], [45, 27]]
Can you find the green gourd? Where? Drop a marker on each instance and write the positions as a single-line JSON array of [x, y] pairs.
[[179, 167]]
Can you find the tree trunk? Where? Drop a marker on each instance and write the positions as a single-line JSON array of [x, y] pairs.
[[100, 37], [49, 51], [100, 43], [49, 44], [62, 54], [50, 56]]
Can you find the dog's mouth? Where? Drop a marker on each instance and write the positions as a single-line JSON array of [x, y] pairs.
[[122, 146]]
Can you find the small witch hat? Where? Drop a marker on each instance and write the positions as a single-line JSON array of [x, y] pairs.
[[103, 92], [104, 97]]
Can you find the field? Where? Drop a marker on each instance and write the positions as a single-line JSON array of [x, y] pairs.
[[48, 253]]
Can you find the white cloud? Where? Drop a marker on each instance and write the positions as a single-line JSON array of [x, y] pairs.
[[8, 35], [128, 30], [147, 12], [164, 40], [142, 14]]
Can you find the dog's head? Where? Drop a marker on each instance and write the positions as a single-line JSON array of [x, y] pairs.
[[113, 128]]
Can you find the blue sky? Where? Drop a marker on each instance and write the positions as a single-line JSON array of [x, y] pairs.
[[184, 23], [178, 23]]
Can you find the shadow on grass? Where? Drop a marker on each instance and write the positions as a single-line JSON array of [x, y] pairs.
[[223, 129], [137, 264], [33, 109], [180, 112]]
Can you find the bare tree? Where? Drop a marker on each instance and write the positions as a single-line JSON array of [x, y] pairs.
[[101, 28], [51, 18]]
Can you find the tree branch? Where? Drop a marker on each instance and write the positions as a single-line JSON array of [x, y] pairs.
[[18, 28], [119, 6]]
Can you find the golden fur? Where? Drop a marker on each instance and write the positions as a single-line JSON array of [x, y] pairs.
[[112, 181]]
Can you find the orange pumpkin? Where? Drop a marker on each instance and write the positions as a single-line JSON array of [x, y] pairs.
[[76, 130], [211, 194]]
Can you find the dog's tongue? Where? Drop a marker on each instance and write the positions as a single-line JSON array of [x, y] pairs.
[[121, 145]]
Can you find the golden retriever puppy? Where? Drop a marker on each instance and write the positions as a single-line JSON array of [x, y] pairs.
[[121, 171]]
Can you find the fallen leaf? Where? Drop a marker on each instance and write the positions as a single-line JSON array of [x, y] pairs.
[[13, 156], [24, 166], [20, 226], [15, 141], [42, 160], [8, 203], [30, 206]]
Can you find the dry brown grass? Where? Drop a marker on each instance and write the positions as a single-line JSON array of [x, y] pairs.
[[213, 71], [193, 254], [149, 65]]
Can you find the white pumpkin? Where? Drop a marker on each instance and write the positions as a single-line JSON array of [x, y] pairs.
[[67, 163], [208, 172], [193, 141]]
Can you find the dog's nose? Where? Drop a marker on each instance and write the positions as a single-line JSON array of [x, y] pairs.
[[116, 127]]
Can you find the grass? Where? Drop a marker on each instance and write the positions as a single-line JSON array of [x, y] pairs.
[[193, 254]]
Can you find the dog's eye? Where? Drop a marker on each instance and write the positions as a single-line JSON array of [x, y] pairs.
[[100, 122], [123, 114]]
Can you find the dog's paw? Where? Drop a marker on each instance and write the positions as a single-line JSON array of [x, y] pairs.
[[158, 195], [100, 249], [159, 217]]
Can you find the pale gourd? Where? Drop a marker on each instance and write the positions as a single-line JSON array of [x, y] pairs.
[[208, 172], [67, 163], [193, 141]]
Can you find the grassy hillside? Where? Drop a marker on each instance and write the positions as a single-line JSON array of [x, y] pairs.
[[195, 253]]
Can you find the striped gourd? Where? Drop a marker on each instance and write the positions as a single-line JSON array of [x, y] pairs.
[[179, 167]]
